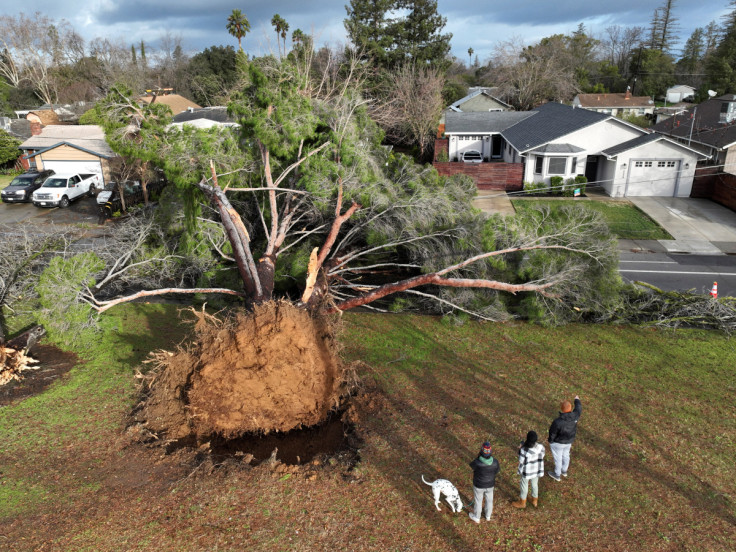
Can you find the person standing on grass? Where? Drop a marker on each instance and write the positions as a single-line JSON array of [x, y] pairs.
[[485, 468], [562, 435], [531, 468]]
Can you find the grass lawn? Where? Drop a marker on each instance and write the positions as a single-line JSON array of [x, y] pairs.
[[652, 469], [625, 220], [4, 181]]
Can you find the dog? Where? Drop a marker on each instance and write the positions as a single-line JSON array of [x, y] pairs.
[[444, 487]]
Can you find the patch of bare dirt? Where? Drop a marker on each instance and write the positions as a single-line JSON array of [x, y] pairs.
[[52, 364], [272, 370]]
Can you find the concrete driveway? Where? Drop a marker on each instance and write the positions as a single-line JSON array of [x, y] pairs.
[[82, 211], [697, 225]]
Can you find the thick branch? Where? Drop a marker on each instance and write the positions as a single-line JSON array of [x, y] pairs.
[[102, 306]]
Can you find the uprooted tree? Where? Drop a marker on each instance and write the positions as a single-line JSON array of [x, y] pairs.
[[306, 205]]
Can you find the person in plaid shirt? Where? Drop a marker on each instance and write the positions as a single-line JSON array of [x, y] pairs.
[[531, 468]]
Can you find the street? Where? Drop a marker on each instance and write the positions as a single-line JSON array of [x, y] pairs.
[[678, 272]]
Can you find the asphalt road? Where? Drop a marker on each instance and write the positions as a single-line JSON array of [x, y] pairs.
[[681, 272]]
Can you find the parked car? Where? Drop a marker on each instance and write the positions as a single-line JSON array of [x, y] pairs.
[[112, 191], [21, 188], [61, 189], [472, 156]]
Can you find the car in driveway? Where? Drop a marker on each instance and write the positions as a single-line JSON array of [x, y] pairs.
[[21, 188], [472, 156], [112, 191], [61, 189]]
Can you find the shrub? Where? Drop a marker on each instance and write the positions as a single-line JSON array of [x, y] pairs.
[[534, 187], [580, 181], [568, 188], [555, 184], [443, 157]]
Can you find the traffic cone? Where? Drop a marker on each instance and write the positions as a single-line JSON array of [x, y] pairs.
[[714, 291]]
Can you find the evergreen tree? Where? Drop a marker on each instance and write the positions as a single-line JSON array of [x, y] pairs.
[[132, 55], [691, 61], [415, 37], [663, 28]]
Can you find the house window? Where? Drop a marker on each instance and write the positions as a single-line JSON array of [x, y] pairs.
[[638, 164], [647, 163], [660, 164], [557, 165], [670, 164], [538, 162]]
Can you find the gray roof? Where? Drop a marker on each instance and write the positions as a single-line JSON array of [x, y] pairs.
[[631, 144], [217, 114], [558, 148], [90, 138], [483, 122], [645, 139], [474, 91], [551, 121]]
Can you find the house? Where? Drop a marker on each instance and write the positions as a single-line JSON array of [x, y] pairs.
[[558, 140], [205, 117], [480, 99], [621, 105], [709, 127], [679, 93], [68, 148], [177, 103]]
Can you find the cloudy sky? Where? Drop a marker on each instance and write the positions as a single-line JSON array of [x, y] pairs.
[[477, 24]]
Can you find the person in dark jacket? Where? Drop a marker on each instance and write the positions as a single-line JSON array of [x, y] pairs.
[[562, 435], [485, 468]]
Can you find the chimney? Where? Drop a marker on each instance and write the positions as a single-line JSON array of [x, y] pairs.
[[628, 93], [35, 128]]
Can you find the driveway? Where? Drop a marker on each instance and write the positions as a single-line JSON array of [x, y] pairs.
[[697, 225], [82, 211]]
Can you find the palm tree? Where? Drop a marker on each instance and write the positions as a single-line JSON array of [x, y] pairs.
[[470, 56], [238, 25], [281, 26]]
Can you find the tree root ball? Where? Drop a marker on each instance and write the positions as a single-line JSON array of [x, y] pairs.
[[275, 369]]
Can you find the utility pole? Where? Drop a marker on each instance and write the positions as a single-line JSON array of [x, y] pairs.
[[692, 124]]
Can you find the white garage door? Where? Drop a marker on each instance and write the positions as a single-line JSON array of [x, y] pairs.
[[74, 167], [653, 178]]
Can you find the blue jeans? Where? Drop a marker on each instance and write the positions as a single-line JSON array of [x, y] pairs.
[[478, 496], [525, 487], [561, 454]]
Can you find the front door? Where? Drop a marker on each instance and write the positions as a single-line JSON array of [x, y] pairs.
[[496, 146], [591, 168]]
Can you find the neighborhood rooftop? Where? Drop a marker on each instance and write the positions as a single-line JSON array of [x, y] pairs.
[[87, 137], [702, 124], [552, 120], [483, 121], [613, 100]]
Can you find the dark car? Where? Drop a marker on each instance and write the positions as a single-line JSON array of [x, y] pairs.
[[22, 187]]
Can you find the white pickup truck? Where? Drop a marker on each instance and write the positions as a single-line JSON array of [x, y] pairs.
[[61, 189]]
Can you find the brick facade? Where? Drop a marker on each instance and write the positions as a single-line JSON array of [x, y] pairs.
[[495, 175]]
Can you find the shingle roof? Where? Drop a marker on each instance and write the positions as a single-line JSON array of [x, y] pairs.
[[217, 114], [176, 102], [88, 137], [702, 123], [631, 144], [488, 91], [483, 122], [558, 148], [613, 100], [552, 120]]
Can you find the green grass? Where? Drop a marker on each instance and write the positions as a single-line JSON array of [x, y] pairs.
[[652, 468], [5, 180], [625, 220]]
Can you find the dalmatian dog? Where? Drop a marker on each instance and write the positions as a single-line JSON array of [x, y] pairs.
[[444, 487]]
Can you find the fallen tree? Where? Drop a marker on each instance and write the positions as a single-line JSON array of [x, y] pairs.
[[306, 204]]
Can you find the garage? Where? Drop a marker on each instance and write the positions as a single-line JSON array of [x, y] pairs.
[[74, 167], [650, 177]]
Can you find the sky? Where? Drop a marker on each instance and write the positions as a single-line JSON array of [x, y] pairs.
[[479, 24]]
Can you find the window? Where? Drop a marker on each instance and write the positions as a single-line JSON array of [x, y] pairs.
[[557, 165], [538, 162], [638, 164], [647, 163], [670, 164], [660, 164]]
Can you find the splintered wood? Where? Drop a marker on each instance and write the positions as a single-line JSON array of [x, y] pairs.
[[13, 362]]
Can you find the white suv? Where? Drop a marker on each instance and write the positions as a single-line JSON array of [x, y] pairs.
[[472, 156]]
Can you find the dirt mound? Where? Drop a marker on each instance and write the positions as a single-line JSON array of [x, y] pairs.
[[275, 369]]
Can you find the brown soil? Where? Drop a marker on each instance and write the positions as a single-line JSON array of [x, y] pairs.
[[275, 369], [52, 364]]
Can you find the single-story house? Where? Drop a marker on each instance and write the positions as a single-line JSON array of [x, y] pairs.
[[68, 148], [177, 103], [679, 93], [622, 105], [559, 140], [707, 127], [205, 117]]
